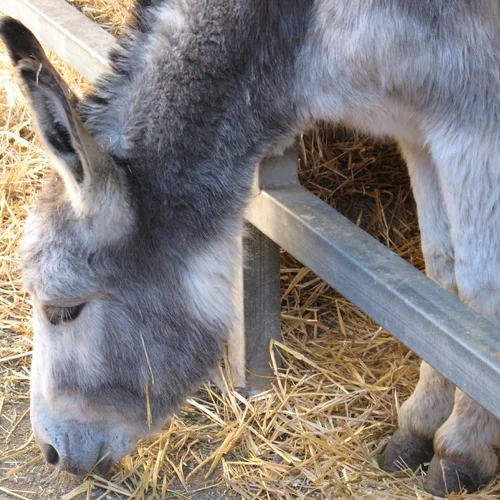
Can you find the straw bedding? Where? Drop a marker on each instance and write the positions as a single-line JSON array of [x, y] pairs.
[[319, 431]]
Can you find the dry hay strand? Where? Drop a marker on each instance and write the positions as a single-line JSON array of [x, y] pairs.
[[318, 431], [112, 15]]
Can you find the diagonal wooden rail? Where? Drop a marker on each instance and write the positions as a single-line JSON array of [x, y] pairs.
[[461, 344]]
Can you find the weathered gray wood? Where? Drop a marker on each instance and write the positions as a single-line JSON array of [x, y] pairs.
[[280, 170], [458, 342], [261, 278]]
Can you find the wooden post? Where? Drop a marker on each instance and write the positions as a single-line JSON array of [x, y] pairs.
[[261, 304], [261, 279]]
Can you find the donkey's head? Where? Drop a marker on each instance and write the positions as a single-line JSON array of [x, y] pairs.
[[119, 340]]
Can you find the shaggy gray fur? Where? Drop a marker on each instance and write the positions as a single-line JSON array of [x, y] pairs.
[[154, 169]]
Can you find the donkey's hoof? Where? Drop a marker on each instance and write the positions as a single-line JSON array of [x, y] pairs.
[[445, 477], [242, 391], [406, 452]]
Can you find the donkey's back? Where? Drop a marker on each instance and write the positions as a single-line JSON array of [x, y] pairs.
[[428, 74], [402, 68]]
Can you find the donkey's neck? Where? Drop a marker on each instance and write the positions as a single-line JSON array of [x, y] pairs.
[[200, 90]]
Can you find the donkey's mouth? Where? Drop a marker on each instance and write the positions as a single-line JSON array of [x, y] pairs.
[[103, 465]]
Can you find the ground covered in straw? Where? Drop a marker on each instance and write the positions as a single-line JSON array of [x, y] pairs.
[[320, 429]]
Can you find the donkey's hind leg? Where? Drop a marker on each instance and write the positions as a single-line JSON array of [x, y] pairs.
[[432, 401]]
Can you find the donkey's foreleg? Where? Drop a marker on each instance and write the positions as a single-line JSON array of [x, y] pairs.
[[468, 168], [432, 401], [465, 457], [419, 418]]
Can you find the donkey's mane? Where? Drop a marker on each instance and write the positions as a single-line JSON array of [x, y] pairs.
[[193, 101], [202, 57], [123, 61]]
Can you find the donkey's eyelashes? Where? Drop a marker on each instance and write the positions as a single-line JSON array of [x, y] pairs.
[[62, 315]]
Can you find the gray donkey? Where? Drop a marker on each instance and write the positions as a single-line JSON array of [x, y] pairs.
[[132, 247]]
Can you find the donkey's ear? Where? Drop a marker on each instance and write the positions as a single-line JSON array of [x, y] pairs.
[[97, 189], [20, 42], [52, 102]]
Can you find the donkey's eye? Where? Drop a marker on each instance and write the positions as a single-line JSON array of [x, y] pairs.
[[57, 315]]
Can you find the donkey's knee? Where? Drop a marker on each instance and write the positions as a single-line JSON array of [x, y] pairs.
[[419, 418], [440, 264], [479, 286], [465, 456]]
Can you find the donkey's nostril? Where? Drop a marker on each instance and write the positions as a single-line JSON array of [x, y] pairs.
[[50, 454]]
